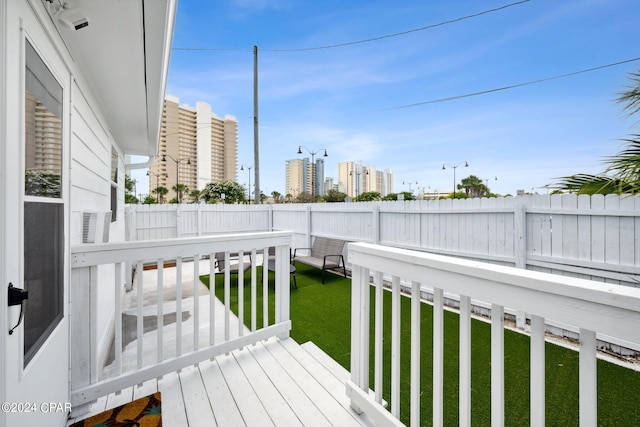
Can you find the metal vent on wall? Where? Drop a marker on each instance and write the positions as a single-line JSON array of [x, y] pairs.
[[95, 227]]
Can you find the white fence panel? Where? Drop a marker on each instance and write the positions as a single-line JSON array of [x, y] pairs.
[[154, 221], [592, 237]]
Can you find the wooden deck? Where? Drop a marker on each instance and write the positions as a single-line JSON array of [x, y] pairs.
[[277, 383]]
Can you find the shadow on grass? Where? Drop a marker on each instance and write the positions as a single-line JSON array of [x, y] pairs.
[[322, 314]]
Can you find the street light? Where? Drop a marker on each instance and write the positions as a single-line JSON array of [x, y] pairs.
[[149, 172], [313, 169], [249, 189], [164, 159], [486, 182], [366, 172], [409, 184], [466, 165]]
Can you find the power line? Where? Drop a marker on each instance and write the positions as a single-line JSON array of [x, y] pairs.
[[372, 39], [402, 33], [468, 95]]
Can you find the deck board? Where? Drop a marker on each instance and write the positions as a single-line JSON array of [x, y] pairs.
[[249, 404], [276, 406], [173, 407], [196, 398], [290, 387], [222, 402], [335, 408]]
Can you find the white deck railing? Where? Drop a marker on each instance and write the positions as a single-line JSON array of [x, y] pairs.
[[592, 307], [86, 382]]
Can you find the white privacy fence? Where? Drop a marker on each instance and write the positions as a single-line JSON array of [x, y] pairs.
[[212, 330], [591, 307], [594, 237]]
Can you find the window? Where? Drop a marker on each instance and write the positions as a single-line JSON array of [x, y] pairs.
[[43, 237], [114, 184]]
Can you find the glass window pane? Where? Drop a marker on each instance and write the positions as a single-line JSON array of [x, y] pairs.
[[43, 129]]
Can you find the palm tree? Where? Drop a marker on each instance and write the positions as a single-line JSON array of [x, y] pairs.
[[623, 172], [195, 195], [180, 189], [472, 186], [161, 192]]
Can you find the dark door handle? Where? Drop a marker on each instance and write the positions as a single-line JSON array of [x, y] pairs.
[[16, 296]]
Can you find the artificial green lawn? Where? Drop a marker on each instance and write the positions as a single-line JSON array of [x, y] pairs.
[[321, 313]]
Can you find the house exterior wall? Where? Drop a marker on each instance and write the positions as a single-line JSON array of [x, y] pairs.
[[90, 174]]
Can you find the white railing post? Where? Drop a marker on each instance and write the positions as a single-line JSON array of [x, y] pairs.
[[93, 319], [139, 312], [159, 308], [265, 287], [588, 379], [537, 371], [379, 335], [497, 365], [282, 286], [395, 346], [438, 356], [179, 305], [359, 330], [196, 303], [415, 354], [241, 293], [465, 362], [80, 327], [254, 289]]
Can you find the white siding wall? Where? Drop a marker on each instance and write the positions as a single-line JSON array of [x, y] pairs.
[[91, 146]]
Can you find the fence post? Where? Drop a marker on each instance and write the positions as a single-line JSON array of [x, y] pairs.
[[178, 221], [375, 233], [199, 219], [520, 248], [308, 212]]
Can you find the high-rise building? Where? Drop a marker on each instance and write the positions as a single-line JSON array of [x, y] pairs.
[[318, 180], [296, 176], [302, 176], [357, 179], [197, 146]]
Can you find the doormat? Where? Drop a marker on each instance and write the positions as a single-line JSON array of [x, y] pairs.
[[143, 412]]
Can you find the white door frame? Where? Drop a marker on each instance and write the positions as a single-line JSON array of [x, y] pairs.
[[25, 387], [3, 143]]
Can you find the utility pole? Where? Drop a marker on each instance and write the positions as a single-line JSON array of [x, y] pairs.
[[256, 144]]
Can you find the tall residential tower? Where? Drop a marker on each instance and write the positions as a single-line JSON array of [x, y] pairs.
[[197, 145]]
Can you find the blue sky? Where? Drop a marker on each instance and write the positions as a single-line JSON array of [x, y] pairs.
[[345, 99]]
